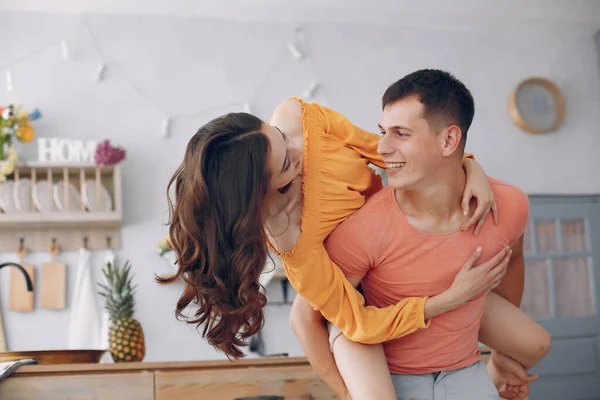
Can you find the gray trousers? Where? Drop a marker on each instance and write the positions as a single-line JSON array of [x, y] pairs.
[[469, 383]]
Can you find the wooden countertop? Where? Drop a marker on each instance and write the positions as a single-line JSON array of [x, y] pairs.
[[290, 377], [67, 369]]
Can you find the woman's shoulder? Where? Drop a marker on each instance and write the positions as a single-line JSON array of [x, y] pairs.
[[288, 116], [291, 107]]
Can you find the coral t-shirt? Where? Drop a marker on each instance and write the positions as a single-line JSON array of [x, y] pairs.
[[395, 260]]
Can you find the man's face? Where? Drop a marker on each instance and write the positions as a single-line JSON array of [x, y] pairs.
[[409, 148]]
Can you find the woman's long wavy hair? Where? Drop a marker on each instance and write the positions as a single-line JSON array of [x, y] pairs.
[[216, 229]]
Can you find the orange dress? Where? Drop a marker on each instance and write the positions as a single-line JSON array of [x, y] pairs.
[[336, 181]]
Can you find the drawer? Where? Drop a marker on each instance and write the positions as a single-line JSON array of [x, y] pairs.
[[293, 383], [125, 386]]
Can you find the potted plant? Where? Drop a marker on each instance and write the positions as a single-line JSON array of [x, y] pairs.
[[164, 249]]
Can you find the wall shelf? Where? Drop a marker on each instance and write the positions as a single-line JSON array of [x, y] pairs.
[[60, 202], [60, 220]]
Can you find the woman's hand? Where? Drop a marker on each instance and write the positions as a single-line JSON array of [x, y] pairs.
[[477, 187], [472, 282], [515, 377], [469, 283]]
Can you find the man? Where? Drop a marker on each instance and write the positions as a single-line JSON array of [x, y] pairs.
[[406, 240]]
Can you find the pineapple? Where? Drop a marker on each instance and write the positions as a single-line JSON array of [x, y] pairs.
[[126, 337]]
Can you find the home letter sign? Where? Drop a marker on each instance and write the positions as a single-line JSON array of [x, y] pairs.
[[65, 150]]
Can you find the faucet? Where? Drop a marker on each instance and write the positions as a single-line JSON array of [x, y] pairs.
[[25, 274]]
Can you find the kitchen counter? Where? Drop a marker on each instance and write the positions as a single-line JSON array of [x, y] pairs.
[[292, 378]]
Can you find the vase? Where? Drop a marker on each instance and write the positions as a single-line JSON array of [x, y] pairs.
[[3, 174], [7, 166]]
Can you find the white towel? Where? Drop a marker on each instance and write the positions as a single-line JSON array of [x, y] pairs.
[[7, 368], [105, 319], [84, 320]]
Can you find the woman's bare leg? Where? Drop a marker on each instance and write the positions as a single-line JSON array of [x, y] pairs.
[[508, 330], [363, 367]]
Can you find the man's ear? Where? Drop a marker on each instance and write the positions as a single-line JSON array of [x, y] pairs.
[[451, 140]]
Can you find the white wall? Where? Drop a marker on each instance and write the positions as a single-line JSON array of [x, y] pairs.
[[182, 65]]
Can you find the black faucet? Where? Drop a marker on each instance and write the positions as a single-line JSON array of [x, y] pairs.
[[25, 274]]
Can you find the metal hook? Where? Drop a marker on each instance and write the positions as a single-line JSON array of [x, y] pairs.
[[108, 242], [85, 242]]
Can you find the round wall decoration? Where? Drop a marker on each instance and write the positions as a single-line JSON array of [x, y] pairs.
[[537, 106]]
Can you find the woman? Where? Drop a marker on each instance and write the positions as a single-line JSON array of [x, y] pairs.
[[245, 186]]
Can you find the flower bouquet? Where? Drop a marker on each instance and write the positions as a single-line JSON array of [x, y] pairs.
[[14, 123]]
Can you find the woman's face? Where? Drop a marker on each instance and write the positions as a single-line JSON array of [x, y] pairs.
[[285, 158]]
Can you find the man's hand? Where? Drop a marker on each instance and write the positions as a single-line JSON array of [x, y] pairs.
[[516, 378]]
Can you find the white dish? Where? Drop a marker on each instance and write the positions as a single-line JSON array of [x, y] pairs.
[[7, 199], [89, 197], [22, 195], [59, 197], [42, 196]]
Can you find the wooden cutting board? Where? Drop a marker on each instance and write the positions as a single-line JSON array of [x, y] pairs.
[[20, 299], [53, 283]]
